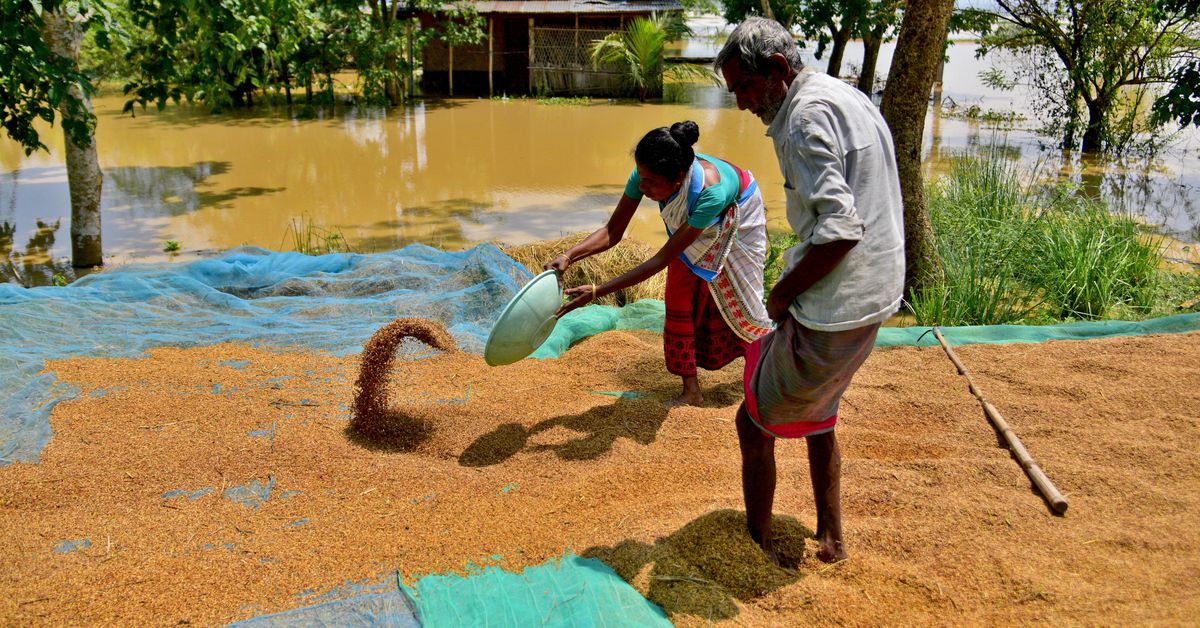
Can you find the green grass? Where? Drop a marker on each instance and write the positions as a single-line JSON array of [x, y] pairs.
[[1012, 255], [311, 239], [546, 99], [564, 100], [777, 245]]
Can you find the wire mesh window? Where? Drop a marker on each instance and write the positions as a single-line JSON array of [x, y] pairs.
[[561, 61], [565, 48]]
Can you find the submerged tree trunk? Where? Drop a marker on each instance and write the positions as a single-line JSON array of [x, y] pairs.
[[866, 78], [408, 36], [905, 104], [840, 39], [391, 87], [63, 36], [1093, 135]]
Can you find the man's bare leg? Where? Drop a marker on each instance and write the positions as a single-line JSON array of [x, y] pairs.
[[758, 481], [691, 395], [825, 467]]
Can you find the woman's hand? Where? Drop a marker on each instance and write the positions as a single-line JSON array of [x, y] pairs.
[[580, 296], [559, 263]]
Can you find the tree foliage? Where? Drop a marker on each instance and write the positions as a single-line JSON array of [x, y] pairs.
[[1182, 101], [832, 24], [224, 53], [218, 53], [1090, 62], [34, 82]]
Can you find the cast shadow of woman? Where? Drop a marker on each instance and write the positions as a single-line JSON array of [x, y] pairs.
[[702, 568], [637, 419]]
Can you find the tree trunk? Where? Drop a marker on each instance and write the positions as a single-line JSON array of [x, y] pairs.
[[840, 39], [940, 73], [412, 87], [391, 86], [866, 78], [1093, 135], [766, 9], [905, 104], [63, 36], [287, 83]]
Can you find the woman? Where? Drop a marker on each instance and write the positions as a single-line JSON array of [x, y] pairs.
[[713, 212]]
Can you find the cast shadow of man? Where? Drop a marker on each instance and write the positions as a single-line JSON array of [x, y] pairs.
[[702, 568], [637, 419]]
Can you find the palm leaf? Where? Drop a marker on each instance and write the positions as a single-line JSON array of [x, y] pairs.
[[691, 73], [638, 51]]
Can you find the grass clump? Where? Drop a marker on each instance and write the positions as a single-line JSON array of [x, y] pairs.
[[309, 238], [595, 269], [1011, 255], [773, 265]]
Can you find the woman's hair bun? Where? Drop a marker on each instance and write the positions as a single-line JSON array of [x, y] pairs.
[[685, 133]]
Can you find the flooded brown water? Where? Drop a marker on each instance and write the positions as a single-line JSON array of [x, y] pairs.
[[453, 173]]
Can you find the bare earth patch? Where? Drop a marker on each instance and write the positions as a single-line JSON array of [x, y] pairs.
[[517, 464]]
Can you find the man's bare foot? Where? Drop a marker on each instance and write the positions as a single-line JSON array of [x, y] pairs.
[[831, 550], [686, 399]]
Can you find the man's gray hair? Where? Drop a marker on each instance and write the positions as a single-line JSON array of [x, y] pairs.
[[754, 41]]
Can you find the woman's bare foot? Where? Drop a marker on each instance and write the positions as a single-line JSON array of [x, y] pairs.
[[686, 399], [690, 396]]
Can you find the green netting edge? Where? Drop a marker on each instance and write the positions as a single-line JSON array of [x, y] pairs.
[[1009, 334], [594, 319], [648, 314]]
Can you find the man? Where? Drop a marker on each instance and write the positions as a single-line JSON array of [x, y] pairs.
[[841, 281]]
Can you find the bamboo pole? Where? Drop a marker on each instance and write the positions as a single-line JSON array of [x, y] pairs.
[[1057, 502]]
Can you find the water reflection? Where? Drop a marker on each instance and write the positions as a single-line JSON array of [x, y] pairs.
[[151, 192], [34, 266], [452, 173]]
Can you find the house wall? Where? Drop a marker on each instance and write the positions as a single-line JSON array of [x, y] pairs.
[[510, 44]]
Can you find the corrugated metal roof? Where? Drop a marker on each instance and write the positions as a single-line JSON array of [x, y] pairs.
[[577, 6]]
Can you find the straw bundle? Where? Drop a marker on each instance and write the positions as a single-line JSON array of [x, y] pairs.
[[595, 269]]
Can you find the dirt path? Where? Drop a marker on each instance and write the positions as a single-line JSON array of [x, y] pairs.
[[514, 465]]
